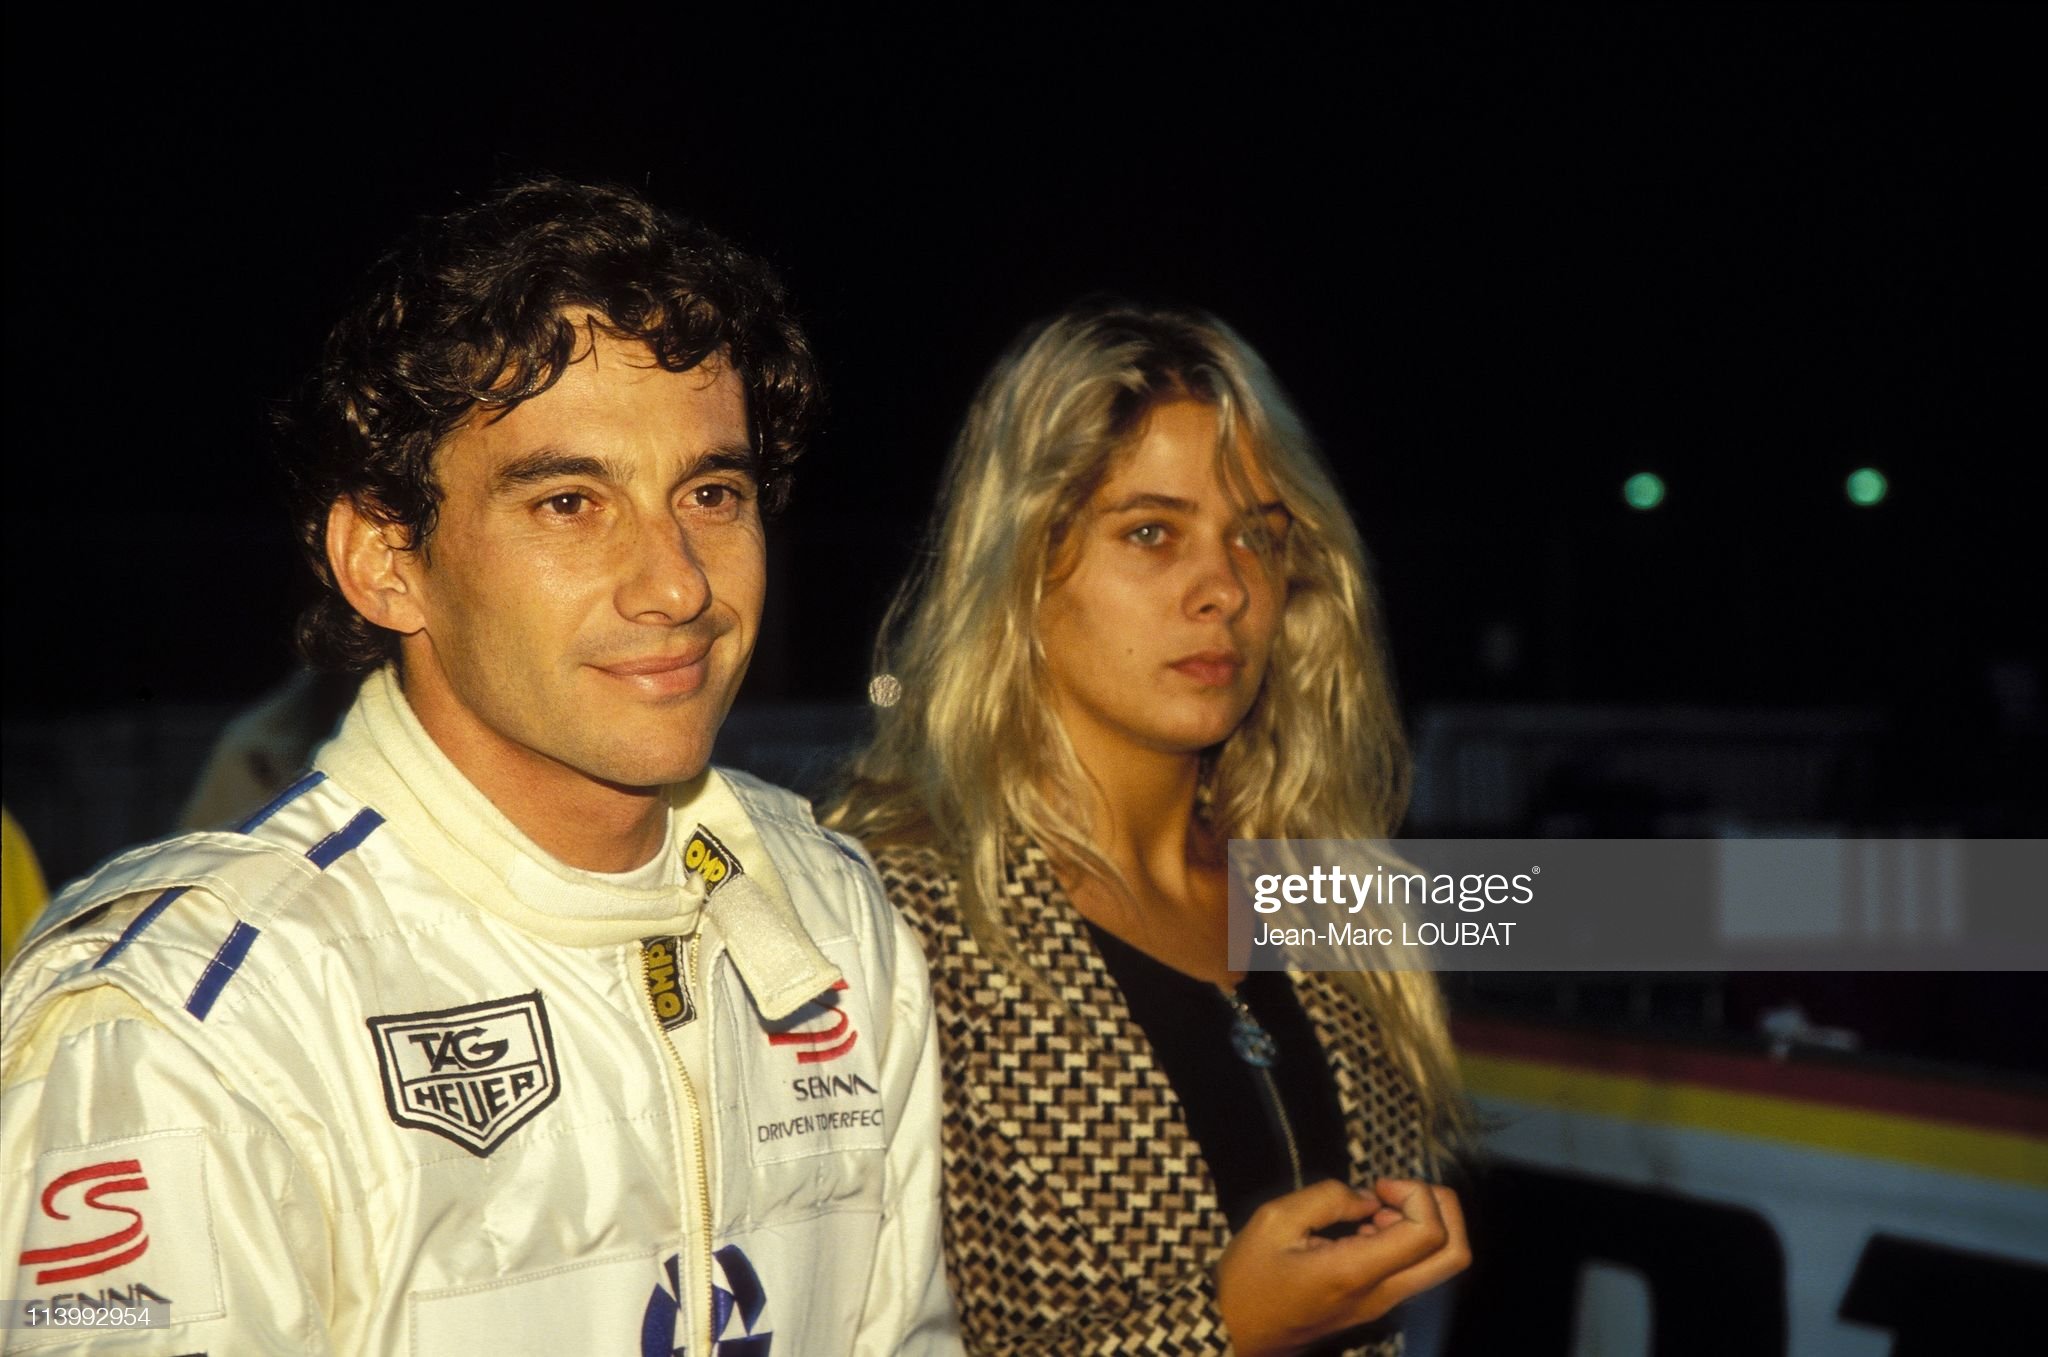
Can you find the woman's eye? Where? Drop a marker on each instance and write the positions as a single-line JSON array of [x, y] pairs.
[[1147, 534]]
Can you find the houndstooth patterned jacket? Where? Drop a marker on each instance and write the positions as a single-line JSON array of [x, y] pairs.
[[1080, 1216]]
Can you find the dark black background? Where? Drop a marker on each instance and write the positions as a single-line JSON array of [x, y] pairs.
[[1503, 258]]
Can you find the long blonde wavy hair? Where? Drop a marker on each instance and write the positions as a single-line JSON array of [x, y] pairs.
[[972, 751]]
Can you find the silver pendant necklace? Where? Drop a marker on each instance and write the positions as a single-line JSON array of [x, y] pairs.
[[1254, 1044]]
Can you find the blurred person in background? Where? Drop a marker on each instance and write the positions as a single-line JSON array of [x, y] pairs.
[[22, 893]]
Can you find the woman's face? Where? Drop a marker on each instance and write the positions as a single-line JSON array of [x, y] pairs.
[[1161, 610]]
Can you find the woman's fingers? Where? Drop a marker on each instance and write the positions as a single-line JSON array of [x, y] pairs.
[[1411, 1197], [1442, 1264], [1280, 1286], [1454, 1220], [1351, 1268], [1301, 1213]]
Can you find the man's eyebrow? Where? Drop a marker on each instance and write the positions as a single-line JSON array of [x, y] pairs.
[[740, 457], [547, 464]]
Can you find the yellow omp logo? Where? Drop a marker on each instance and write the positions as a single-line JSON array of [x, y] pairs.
[[663, 959], [705, 855]]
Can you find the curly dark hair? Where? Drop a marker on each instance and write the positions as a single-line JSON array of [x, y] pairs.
[[469, 312]]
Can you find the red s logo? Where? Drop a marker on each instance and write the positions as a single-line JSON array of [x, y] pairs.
[[826, 1042], [109, 1251]]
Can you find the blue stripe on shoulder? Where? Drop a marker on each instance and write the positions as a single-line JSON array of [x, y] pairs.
[[137, 924], [284, 798], [228, 959], [156, 907], [324, 853], [847, 850], [220, 970]]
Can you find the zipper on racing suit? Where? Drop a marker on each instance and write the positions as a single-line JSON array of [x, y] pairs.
[[696, 1261]]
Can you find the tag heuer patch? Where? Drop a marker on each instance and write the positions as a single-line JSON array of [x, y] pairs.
[[704, 854], [667, 988], [474, 1074]]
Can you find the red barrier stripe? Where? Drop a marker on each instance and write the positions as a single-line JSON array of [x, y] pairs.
[[1933, 1099]]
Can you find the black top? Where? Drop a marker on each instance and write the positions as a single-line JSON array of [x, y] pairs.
[[1229, 1103]]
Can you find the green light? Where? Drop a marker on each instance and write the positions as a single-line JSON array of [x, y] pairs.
[[1644, 490], [1866, 486]]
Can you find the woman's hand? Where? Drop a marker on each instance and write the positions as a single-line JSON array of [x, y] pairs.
[[1281, 1286]]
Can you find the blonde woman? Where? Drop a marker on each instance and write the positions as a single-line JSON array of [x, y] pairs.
[[1144, 628]]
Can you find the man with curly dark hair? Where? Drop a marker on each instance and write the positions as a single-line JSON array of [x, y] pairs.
[[511, 1023]]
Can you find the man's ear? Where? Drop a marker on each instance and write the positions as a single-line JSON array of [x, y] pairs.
[[371, 561]]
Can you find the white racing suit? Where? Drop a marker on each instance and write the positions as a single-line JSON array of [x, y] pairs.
[[375, 1074]]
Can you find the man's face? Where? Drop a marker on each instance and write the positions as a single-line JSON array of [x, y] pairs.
[[590, 596]]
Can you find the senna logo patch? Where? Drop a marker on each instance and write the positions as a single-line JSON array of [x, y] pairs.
[[474, 1074], [704, 854], [818, 1036], [123, 1223], [819, 1089], [667, 988]]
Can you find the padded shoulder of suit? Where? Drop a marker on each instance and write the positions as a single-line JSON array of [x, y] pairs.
[[205, 895], [771, 806], [769, 801], [249, 868], [251, 876], [167, 923]]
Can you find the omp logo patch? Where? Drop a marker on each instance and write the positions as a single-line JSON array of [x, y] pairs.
[[667, 987], [87, 1189], [474, 1074], [125, 1223], [819, 1038], [705, 855]]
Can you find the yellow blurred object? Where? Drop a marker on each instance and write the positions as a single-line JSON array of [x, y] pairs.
[[22, 893]]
